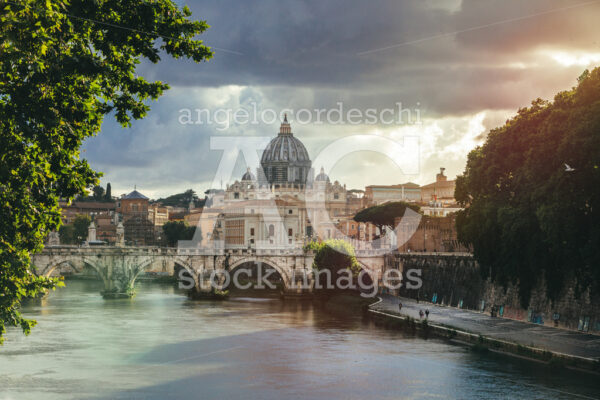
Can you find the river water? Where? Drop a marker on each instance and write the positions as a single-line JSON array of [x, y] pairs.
[[161, 345]]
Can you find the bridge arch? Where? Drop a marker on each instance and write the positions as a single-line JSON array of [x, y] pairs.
[[76, 267], [180, 264], [285, 276], [139, 269], [49, 269], [90, 262], [372, 275]]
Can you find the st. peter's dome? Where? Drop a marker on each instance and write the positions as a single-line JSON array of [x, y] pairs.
[[285, 160]]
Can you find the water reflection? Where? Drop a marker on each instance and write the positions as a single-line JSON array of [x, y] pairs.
[[162, 345]]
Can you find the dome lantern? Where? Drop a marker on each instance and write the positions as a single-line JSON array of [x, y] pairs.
[[285, 128]]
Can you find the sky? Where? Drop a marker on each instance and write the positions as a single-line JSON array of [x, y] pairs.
[[460, 68]]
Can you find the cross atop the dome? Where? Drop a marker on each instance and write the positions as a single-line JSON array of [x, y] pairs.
[[285, 117]]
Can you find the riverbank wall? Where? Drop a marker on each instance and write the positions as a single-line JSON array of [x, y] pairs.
[[482, 343], [454, 279]]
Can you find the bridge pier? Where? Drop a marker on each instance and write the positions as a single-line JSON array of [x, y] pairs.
[[118, 274], [206, 285], [301, 283]]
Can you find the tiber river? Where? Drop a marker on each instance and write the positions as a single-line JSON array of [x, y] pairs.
[[161, 345]]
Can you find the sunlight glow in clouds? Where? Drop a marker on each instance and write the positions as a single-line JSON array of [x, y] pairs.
[[569, 59]]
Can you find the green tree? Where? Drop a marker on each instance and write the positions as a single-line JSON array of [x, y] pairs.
[[180, 199], [67, 233], [177, 230], [108, 195], [334, 255], [532, 194], [98, 193], [64, 65], [384, 215], [75, 232], [80, 228]]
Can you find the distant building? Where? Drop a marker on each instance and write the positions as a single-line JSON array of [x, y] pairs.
[[133, 203], [439, 209], [106, 229], [214, 198], [359, 231], [440, 191], [90, 208], [254, 223], [355, 200], [430, 234], [207, 220], [158, 215], [379, 194], [139, 230]]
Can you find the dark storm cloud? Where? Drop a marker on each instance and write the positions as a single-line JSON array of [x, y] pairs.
[[317, 44]]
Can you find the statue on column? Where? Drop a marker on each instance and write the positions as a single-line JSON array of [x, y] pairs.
[[120, 235], [54, 239], [91, 232]]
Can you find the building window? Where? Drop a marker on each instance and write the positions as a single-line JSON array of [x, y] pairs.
[[251, 231], [289, 211], [236, 195], [290, 232], [271, 230], [336, 196]]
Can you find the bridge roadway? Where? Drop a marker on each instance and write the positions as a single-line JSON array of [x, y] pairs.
[[119, 267]]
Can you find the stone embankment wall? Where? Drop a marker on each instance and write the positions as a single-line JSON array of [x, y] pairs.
[[454, 279]]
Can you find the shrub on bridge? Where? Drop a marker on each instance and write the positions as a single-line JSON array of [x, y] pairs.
[[335, 255]]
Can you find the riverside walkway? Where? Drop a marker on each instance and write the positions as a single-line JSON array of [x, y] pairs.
[[570, 343]]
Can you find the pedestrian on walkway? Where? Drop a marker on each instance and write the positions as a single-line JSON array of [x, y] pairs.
[[426, 313], [420, 314], [399, 306]]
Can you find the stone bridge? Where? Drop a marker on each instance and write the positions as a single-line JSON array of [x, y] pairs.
[[119, 267]]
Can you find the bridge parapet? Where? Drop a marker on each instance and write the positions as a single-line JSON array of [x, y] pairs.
[[109, 250], [403, 260]]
